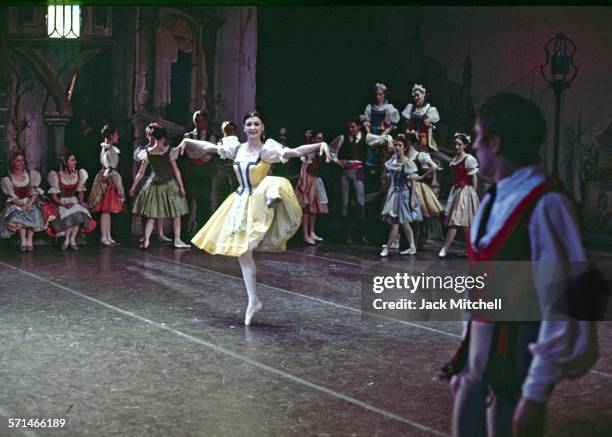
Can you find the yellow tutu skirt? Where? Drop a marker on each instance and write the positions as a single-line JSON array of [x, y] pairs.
[[244, 222]]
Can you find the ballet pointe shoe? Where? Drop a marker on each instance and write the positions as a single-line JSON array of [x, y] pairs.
[[316, 237], [385, 252], [251, 310], [442, 253], [164, 239]]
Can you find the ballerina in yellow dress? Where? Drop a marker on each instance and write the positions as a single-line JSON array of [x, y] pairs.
[[263, 213]]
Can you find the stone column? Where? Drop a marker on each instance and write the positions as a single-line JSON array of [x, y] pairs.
[[56, 130]]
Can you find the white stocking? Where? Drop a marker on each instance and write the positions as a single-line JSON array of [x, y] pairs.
[[249, 273]]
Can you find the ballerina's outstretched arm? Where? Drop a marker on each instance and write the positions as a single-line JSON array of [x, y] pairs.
[[306, 149], [197, 149]]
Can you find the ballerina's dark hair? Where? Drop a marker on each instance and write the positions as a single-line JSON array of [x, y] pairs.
[[465, 138], [402, 139], [157, 131], [250, 114], [411, 136], [63, 158], [107, 130]]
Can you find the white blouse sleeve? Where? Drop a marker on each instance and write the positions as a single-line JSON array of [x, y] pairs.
[[367, 116], [35, 182], [471, 165], [392, 115], [410, 169], [565, 348], [174, 153], [53, 179], [109, 157], [432, 116], [274, 152], [424, 158], [140, 154], [228, 147], [7, 188], [82, 179], [407, 112]]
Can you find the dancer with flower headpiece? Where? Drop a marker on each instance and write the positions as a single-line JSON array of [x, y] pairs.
[[67, 188], [401, 208], [107, 195], [463, 200], [310, 190], [421, 117], [431, 208], [380, 118]]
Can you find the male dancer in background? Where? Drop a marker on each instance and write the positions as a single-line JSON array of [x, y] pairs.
[[198, 174]]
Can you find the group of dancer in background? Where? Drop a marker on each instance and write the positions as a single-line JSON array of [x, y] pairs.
[[370, 154], [370, 157]]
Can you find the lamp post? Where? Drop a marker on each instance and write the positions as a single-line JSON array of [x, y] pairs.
[[560, 56]]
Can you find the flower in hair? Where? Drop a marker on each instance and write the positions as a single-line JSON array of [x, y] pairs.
[[461, 134], [380, 85], [418, 87]]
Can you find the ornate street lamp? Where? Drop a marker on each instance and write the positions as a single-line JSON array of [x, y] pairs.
[[560, 56]]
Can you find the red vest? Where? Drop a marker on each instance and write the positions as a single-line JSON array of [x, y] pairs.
[[507, 366], [22, 192], [459, 173], [66, 189]]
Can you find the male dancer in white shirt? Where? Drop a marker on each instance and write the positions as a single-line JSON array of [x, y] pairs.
[[525, 217]]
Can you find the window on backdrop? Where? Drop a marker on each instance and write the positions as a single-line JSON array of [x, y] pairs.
[[64, 21]]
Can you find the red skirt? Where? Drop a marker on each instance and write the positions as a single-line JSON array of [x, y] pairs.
[[111, 202]]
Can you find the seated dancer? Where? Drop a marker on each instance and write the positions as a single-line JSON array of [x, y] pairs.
[[263, 213], [164, 196], [310, 191], [24, 210], [462, 200], [524, 217], [66, 189], [401, 206], [107, 196]]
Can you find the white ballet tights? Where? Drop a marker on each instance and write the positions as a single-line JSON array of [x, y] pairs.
[[249, 273]]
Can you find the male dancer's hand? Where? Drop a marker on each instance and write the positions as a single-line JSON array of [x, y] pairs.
[[528, 420]]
